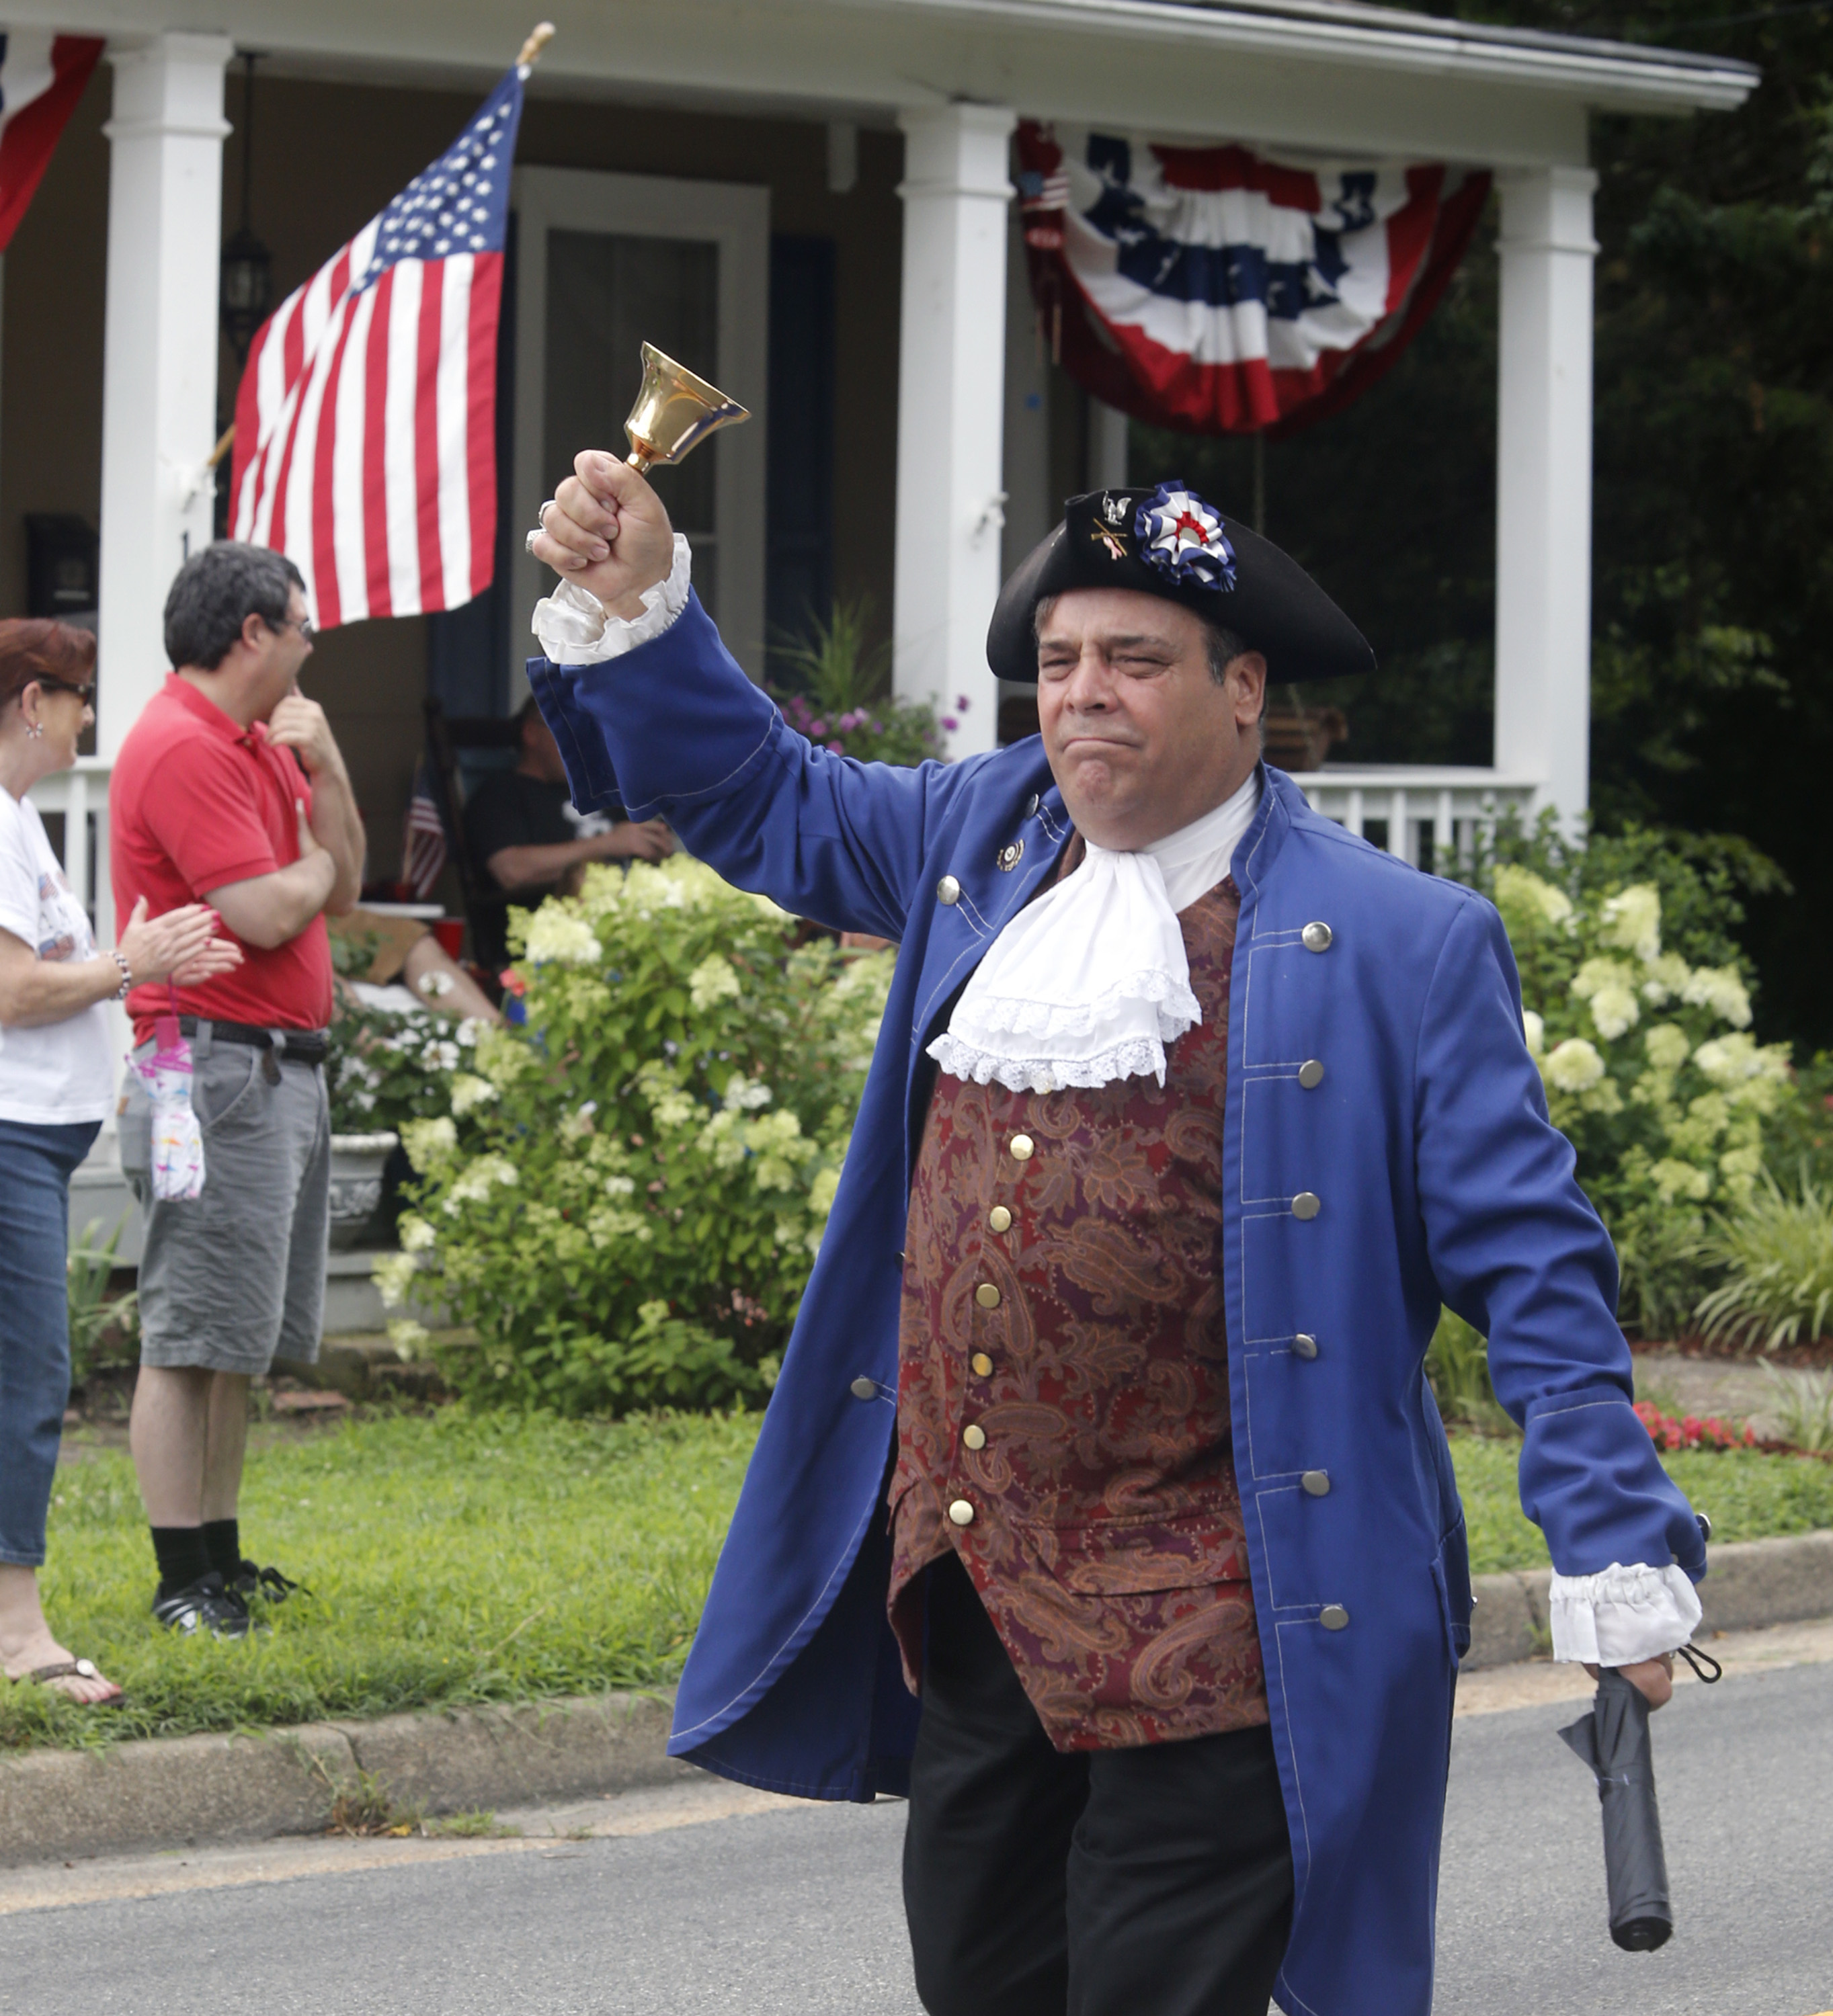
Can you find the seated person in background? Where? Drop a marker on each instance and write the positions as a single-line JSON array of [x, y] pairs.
[[527, 843]]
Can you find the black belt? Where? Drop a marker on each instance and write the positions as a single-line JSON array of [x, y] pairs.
[[306, 1046]]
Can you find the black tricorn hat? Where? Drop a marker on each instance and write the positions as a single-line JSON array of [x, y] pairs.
[[1165, 540]]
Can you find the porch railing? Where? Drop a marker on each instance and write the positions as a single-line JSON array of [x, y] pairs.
[[1429, 815]]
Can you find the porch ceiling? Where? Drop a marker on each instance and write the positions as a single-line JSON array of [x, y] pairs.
[[1318, 74]]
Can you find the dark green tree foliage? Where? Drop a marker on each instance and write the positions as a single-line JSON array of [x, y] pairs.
[[1712, 669]]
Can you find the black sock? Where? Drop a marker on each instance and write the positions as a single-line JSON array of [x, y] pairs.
[[222, 1540], [183, 1557]]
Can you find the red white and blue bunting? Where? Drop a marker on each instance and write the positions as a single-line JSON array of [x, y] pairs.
[[1212, 290]]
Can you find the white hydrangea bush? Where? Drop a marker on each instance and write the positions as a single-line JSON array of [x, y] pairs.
[[623, 1194], [1650, 1068]]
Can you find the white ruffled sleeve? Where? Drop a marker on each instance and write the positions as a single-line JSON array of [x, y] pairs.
[[1624, 1616], [575, 629]]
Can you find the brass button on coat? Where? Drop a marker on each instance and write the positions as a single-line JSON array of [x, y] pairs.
[[1316, 1483], [1023, 1147], [1307, 1203], [982, 1365], [1000, 1218], [1316, 937], [947, 889], [1311, 1073], [973, 1436], [961, 1512], [1304, 1345], [1333, 1616], [863, 1388], [987, 1295]]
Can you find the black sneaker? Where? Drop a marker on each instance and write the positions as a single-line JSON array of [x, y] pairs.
[[203, 1605], [251, 1580]]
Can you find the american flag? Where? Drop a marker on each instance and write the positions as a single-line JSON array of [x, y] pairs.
[[365, 445], [423, 853], [41, 77]]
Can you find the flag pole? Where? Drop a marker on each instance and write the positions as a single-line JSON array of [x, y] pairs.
[[538, 38]]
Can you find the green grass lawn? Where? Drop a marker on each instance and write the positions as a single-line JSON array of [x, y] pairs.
[[452, 1559], [1747, 1496], [457, 1558]]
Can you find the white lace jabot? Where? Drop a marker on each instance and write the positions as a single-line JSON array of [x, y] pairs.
[[1089, 983]]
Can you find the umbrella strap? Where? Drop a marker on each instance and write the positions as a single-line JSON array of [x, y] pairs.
[[1694, 1656]]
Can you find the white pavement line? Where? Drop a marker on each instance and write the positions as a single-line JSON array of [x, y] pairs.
[[51, 1886], [1496, 1689]]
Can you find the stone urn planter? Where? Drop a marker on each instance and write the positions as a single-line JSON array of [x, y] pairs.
[[357, 1163]]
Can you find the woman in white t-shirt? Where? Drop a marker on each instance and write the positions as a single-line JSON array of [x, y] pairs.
[[56, 1084]]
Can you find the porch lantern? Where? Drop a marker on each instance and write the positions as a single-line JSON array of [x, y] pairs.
[[247, 285], [247, 288]]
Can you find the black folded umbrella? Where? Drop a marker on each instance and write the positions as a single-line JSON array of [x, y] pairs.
[[1613, 1739]]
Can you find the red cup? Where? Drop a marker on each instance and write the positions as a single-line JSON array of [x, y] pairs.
[[450, 931]]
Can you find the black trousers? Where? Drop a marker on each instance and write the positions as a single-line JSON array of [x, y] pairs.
[[1147, 1882]]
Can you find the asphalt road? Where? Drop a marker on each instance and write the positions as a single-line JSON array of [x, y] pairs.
[[795, 1909]]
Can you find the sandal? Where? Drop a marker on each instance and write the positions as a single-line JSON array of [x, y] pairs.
[[81, 1669]]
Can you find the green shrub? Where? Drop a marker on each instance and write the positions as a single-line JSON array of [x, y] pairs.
[[1804, 1407], [93, 1315], [1457, 1364], [626, 1195], [1777, 1252], [1638, 1013]]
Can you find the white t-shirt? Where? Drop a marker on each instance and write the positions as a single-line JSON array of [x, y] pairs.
[[60, 1073]]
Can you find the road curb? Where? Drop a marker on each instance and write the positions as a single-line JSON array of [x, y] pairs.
[[1751, 1583], [192, 1790], [189, 1791]]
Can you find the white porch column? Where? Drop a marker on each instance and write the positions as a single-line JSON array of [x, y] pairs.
[[159, 357], [1543, 485], [951, 396]]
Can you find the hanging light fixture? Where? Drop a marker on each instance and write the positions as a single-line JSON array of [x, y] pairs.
[[248, 266]]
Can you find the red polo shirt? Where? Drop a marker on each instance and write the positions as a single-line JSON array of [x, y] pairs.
[[196, 802]]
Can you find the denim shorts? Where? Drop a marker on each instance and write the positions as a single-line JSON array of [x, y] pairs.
[[35, 1166], [234, 1277]]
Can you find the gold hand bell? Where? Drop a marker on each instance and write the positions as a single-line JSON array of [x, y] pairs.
[[675, 411]]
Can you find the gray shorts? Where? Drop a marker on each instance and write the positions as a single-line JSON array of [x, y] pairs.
[[236, 1276]]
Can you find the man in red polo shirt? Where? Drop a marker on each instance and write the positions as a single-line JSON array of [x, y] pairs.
[[230, 789]]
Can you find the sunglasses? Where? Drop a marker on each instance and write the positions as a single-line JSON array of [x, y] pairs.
[[85, 694]]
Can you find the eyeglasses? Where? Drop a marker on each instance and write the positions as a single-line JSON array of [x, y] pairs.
[[86, 693]]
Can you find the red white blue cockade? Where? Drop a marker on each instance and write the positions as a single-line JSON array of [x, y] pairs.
[[1182, 536]]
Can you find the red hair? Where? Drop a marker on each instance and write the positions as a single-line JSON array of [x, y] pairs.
[[34, 647]]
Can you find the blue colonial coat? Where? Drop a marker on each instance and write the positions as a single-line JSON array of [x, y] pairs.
[[1441, 1181]]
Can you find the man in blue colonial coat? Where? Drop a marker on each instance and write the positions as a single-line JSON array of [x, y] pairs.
[[1102, 1505]]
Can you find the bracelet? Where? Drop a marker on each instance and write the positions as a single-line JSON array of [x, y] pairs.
[[120, 993]]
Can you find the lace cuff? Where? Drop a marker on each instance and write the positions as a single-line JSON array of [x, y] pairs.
[[575, 629], [1624, 1616]]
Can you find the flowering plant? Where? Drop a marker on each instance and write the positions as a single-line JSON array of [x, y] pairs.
[[387, 1066], [1687, 1431], [1645, 1048], [838, 694], [625, 1192]]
